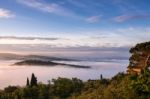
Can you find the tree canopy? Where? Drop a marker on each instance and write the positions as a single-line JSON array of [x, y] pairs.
[[140, 56]]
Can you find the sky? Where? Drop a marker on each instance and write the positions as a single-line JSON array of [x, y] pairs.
[[74, 23]]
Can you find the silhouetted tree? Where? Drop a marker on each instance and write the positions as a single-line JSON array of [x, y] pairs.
[[101, 77], [33, 80], [28, 84]]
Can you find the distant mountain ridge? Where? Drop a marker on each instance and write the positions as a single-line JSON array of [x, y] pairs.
[[10, 56]]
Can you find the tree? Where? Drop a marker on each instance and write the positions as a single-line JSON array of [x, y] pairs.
[[101, 77], [64, 87], [10, 89], [140, 57], [28, 84], [140, 54], [33, 80]]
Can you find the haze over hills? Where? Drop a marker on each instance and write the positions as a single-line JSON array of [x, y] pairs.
[[41, 60], [12, 56]]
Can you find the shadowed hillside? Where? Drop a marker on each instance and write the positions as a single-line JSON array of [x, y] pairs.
[[46, 63]]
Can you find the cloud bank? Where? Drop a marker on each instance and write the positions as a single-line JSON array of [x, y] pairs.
[[27, 38], [65, 42], [102, 38]]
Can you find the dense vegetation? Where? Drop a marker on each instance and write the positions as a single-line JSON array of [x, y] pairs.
[[121, 86]]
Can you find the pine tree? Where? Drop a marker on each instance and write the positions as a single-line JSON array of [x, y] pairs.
[[140, 57], [33, 80], [27, 82]]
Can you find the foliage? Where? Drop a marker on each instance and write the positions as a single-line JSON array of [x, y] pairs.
[[121, 86], [142, 83], [140, 55]]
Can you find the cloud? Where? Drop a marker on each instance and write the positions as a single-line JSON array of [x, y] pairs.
[[93, 19], [60, 42], [48, 7], [4, 13], [111, 41], [101, 38], [27, 38], [124, 18], [40, 6]]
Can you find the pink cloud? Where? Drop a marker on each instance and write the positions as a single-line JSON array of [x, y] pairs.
[[124, 18]]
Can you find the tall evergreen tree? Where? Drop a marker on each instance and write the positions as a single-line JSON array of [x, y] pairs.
[[33, 80], [28, 84], [101, 76]]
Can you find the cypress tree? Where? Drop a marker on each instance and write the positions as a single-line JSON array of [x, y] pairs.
[[101, 76], [27, 82], [33, 80]]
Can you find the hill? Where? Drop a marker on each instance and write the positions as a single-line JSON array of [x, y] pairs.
[[46, 63]]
